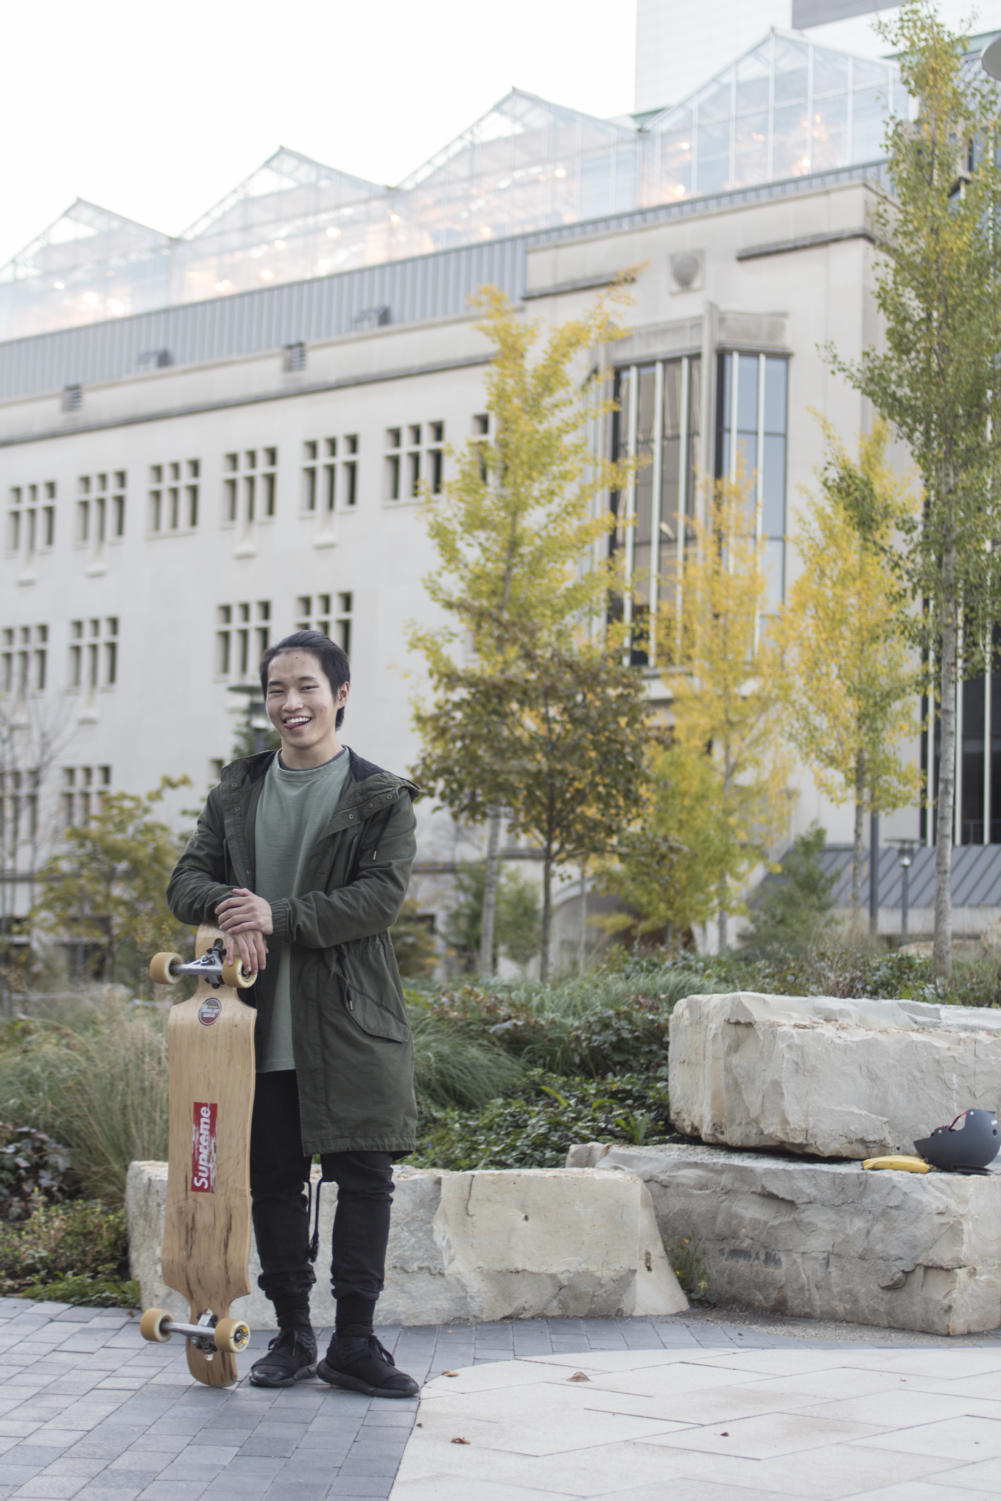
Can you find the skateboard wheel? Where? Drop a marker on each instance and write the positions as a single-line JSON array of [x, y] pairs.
[[155, 1323], [232, 1335], [160, 969], [235, 976]]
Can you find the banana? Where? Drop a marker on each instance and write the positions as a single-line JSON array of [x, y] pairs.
[[900, 1162]]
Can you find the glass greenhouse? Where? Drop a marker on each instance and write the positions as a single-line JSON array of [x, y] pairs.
[[786, 108]]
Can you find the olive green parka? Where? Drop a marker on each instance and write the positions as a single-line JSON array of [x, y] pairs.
[[350, 1036]]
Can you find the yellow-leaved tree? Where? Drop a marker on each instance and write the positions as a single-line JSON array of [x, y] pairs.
[[724, 679], [531, 707], [850, 681]]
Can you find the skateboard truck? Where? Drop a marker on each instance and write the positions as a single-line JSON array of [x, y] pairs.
[[208, 1335], [167, 969]]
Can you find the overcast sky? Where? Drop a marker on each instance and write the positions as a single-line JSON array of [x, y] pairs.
[[157, 110]]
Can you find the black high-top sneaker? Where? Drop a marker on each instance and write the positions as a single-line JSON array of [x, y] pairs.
[[361, 1364], [291, 1357]]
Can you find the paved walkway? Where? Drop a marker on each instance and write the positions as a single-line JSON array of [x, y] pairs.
[[700, 1406]]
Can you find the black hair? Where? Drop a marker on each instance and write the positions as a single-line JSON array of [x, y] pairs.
[[332, 658]]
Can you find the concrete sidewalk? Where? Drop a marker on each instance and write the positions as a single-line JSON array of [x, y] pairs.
[[702, 1405]]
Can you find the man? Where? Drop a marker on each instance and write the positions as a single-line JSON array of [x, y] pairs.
[[302, 858]]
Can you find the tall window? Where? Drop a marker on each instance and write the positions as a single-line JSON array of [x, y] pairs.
[[173, 496], [751, 426], [658, 421], [18, 810], [328, 613], [24, 660], [329, 475], [978, 759], [243, 634], [250, 479], [100, 511], [83, 792], [93, 656], [31, 521], [415, 456]]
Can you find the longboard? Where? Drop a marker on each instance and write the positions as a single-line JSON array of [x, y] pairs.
[[206, 1240]]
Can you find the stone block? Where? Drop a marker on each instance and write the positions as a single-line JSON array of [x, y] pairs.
[[828, 1078], [468, 1246], [827, 1240]]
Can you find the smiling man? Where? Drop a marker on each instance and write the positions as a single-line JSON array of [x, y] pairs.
[[302, 857]]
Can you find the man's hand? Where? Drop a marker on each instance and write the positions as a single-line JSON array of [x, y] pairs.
[[245, 919], [249, 948]]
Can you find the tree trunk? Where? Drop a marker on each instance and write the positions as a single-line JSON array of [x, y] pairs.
[[857, 847], [582, 942], [491, 881], [547, 917], [946, 793]]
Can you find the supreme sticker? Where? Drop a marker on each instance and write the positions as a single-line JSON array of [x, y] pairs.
[[203, 1149]]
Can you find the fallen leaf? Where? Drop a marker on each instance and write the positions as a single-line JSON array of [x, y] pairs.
[[450, 1373], [578, 1376], [460, 1441]]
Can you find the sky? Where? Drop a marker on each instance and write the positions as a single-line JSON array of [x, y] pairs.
[[158, 110]]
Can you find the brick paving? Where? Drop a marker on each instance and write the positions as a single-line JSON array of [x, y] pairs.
[[89, 1409]]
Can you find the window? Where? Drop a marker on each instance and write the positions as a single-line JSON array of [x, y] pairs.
[[327, 613], [481, 436], [18, 810], [84, 789], [93, 655], [24, 659], [243, 634], [658, 420], [100, 511], [751, 424], [31, 521], [173, 496], [329, 475], [250, 477], [415, 456]]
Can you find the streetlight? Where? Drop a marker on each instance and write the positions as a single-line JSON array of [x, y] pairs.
[[905, 872], [990, 58]]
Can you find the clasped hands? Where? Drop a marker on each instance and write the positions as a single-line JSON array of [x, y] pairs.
[[245, 920]]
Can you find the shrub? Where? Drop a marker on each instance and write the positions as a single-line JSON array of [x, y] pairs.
[[32, 1166], [100, 1091], [81, 1240], [537, 1128], [451, 1068]]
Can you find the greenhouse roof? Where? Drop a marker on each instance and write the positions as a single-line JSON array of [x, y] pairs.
[[785, 108]]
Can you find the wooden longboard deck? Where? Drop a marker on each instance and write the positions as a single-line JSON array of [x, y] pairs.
[[206, 1242]]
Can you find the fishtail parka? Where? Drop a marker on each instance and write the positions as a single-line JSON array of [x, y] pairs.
[[350, 1036]]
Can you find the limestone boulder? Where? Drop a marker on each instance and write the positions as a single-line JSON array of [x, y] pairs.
[[826, 1240], [827, 1078], [469, 1246]]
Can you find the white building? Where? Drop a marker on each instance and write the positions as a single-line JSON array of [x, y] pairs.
[[679, 45], [186, 482]]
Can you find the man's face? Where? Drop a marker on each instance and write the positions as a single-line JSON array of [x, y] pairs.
[[303, 709]]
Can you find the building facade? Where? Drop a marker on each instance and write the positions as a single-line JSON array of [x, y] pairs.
[[185, 484]]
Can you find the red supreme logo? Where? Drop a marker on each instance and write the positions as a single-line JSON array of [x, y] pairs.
[[203, 1151]]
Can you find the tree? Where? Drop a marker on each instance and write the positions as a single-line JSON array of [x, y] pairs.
[[104, 892], [517, 931], [724, 679], [791, 910], [666, 864], [33, 731], [850, 678], [938, 287], [531, 706]]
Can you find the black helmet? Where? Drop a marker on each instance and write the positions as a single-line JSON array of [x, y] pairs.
[[969, 1144]]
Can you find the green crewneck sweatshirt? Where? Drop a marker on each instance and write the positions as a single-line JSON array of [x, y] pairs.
[[294, 809]]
